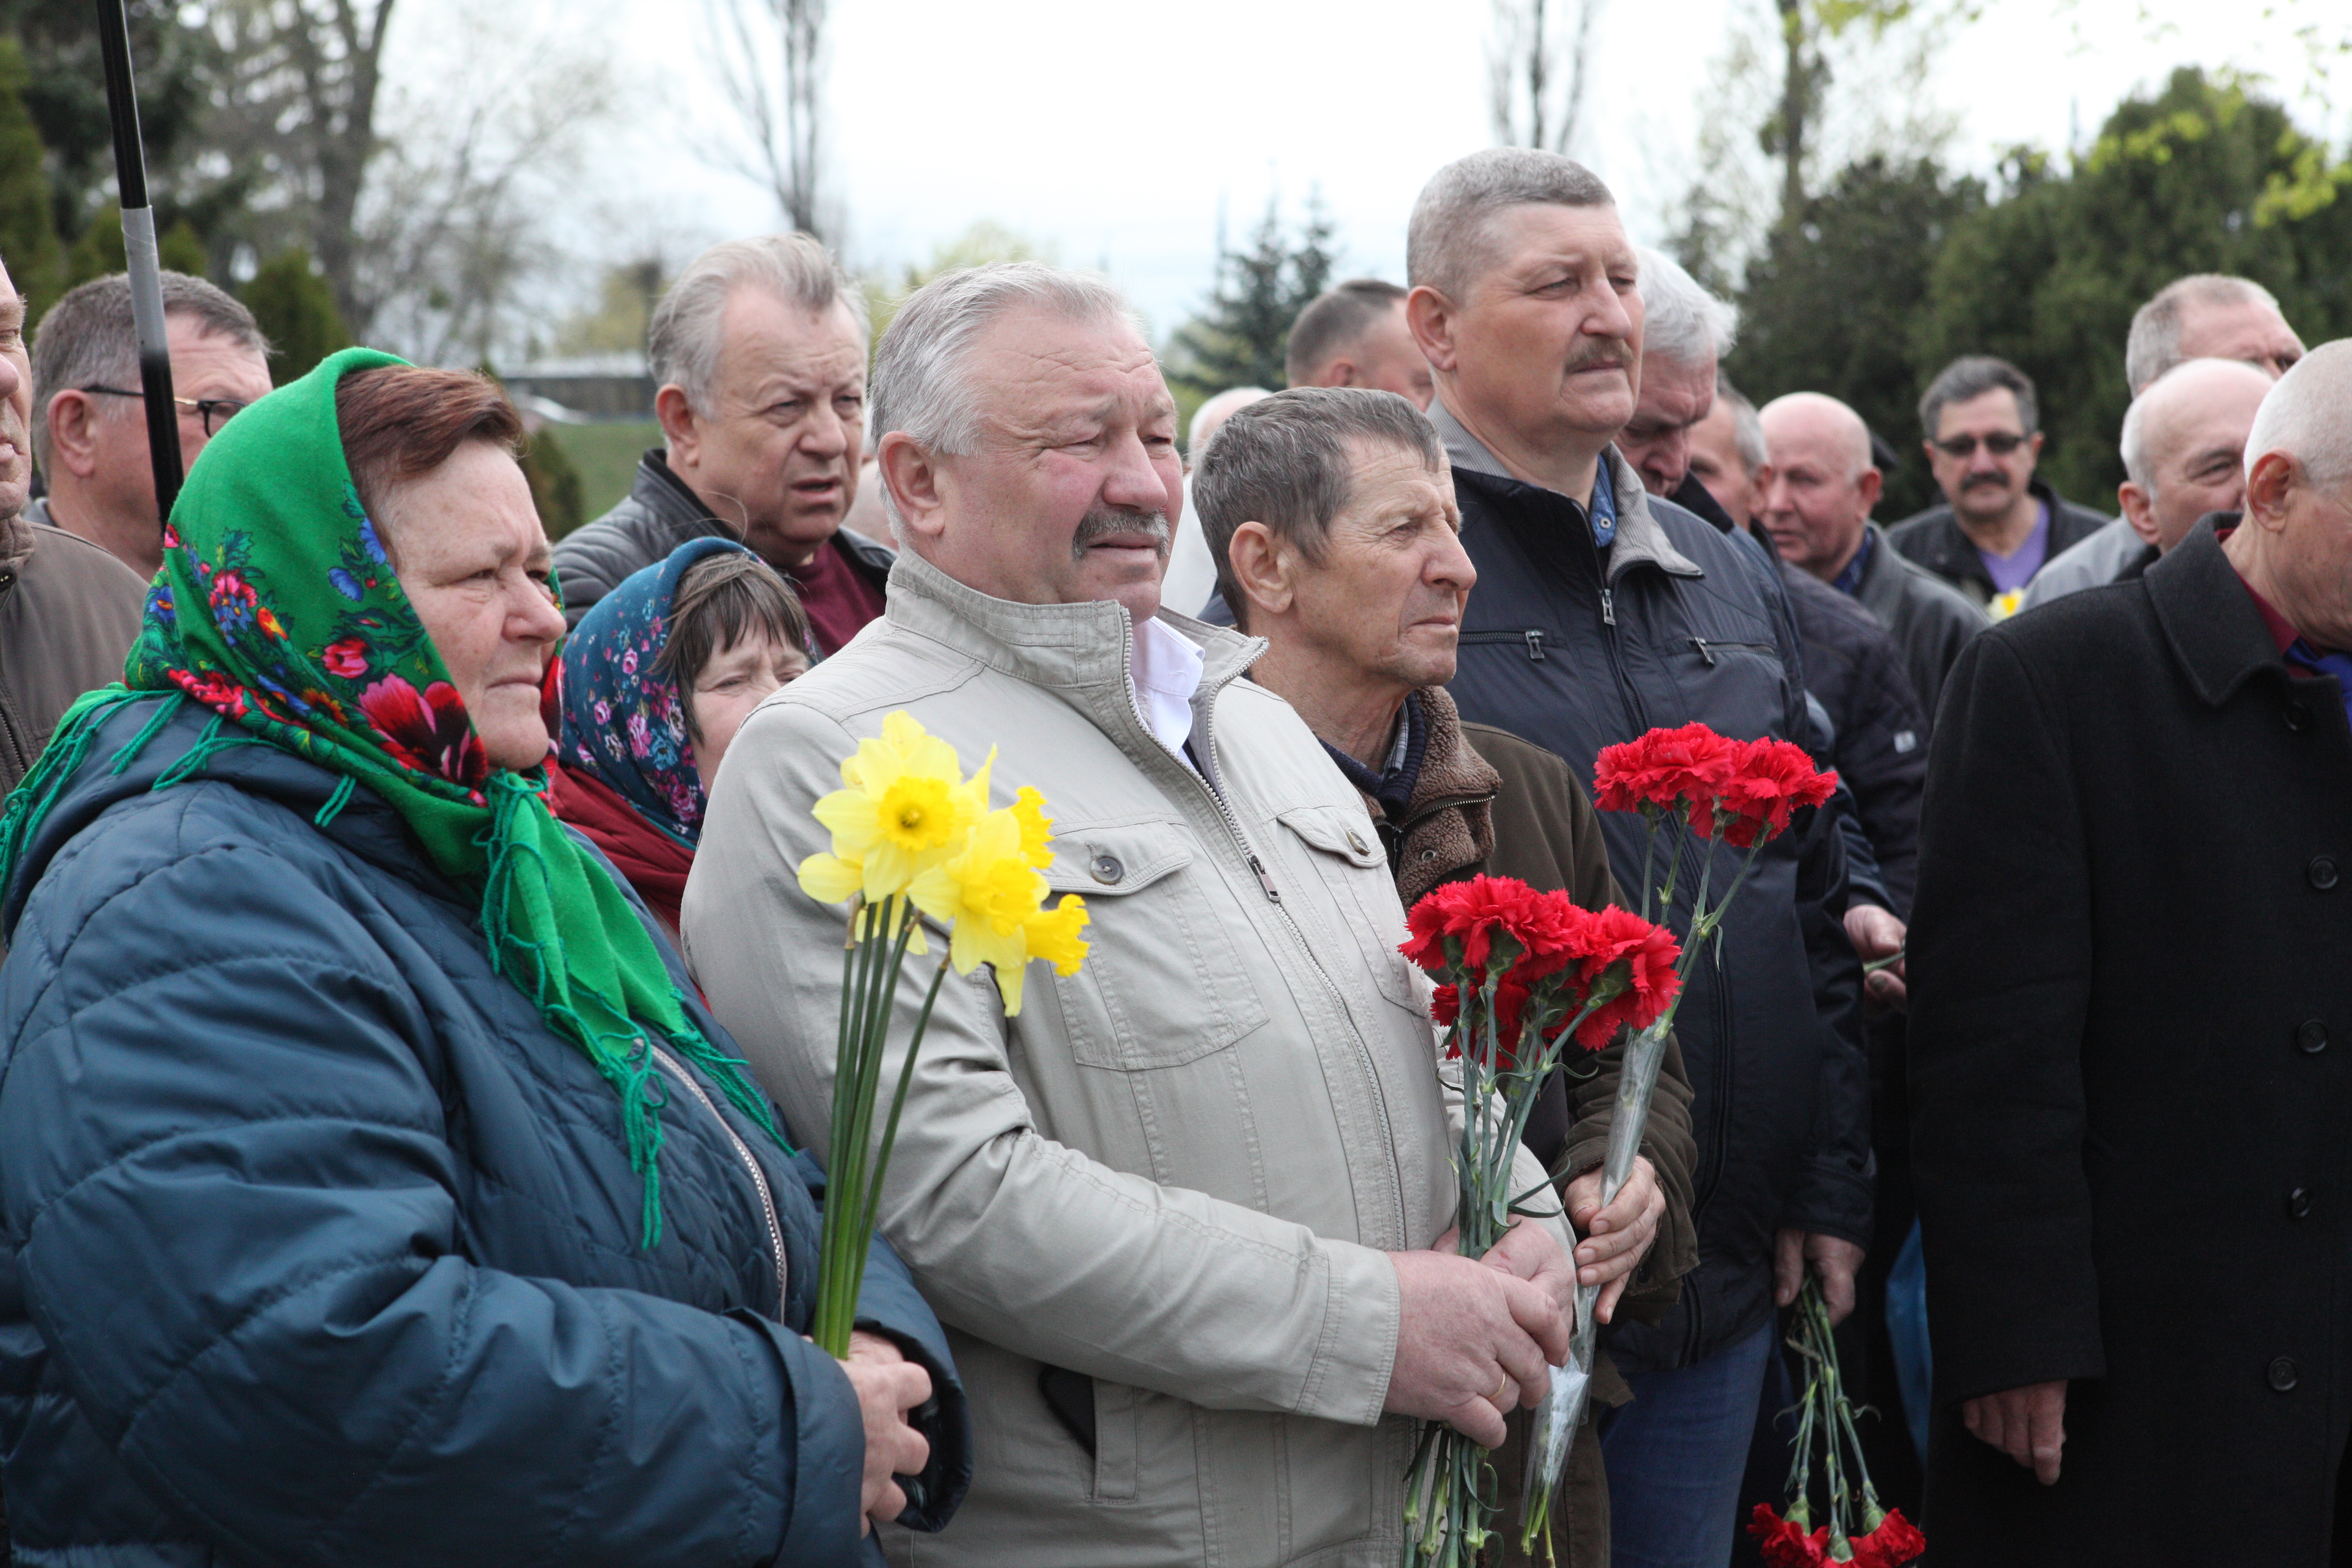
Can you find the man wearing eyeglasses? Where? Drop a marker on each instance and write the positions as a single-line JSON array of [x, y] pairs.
[[1999, 523], [90, 424]]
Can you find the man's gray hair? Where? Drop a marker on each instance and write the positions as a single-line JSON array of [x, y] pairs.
[[683, 342], [88, 338], [1746, 426], [1682, 323], [1971, 376], [2154, 345], [1336, 323], [1286, 461], [2308, 415], [918, 385], [1210, 416], [1450, 242]]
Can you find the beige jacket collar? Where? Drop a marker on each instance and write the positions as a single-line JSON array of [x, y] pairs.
[[1082, 651], [1640, 538]]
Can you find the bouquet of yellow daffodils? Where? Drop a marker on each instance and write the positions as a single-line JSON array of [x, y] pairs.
[[913, 838]]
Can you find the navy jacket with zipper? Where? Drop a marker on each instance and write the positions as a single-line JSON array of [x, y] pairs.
[[317, 1246], [1573, 652]]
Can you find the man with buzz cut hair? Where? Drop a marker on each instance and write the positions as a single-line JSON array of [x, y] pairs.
[[1997, 524], [89, 413], [2207, 315], [758, 350], [1603, 612], [1355, 335], [1181, 1213]]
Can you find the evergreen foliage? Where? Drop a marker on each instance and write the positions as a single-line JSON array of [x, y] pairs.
[[1240, 339], [297, 311], [555, 486], [2204, 176], [28, 235], [1829, 303]]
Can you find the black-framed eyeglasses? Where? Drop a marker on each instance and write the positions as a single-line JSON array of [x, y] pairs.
[[2000, 444], [215, 412]]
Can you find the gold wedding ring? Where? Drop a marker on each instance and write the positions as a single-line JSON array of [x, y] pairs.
[[1503, 1383]]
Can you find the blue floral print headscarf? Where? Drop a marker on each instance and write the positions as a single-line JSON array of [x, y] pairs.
[[623, 722]]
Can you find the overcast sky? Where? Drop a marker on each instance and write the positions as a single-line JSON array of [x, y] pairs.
[[1115, 134]]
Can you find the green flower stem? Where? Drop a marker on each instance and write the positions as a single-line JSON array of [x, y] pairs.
[[898, 1104]]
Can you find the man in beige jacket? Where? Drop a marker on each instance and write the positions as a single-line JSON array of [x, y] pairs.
[[1183, 1217]]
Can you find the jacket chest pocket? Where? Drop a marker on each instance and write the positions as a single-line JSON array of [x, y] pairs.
[[1350, 862], [1163, 984]]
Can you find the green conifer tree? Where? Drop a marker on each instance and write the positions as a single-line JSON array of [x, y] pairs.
[[28, 235], [1240, 340], [297, 311]]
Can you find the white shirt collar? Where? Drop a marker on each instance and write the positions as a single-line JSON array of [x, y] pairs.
[[1165, 672]]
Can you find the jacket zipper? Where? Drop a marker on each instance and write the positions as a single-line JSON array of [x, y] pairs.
[[1532, 638], [1707, 649], [751, 1163], [1274, 896]]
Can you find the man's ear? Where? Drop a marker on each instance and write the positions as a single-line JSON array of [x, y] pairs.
[[73, 441], [1338, 373], [681, 432], [1430, 316], [1261, 568], [910, 476], [1869, 486], [2139, 509], [2267, 484]]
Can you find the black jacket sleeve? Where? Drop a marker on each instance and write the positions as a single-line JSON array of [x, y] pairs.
[[2000, 976]]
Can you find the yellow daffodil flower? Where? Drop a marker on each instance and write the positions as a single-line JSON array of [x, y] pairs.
[[984, 896], [1036, 827], [1053, 934], [906, 807]]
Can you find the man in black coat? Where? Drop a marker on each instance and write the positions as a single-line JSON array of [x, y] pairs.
[[2130, 1017], [1602, 613]]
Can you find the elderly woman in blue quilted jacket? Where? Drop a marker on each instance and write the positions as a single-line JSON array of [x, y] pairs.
[[375, 1188]]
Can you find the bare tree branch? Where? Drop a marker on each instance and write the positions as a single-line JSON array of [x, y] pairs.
[[1536, 76], [768, 57]]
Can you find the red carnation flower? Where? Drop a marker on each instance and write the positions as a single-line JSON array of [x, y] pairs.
[[1895, 1543], [429, 732], [347, 660], [1510, 1014], [1770, 779], [1665, 771], [1647, 952], [1454, 926], [1784, 1544]]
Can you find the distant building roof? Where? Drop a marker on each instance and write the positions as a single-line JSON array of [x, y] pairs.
[[628, 363]]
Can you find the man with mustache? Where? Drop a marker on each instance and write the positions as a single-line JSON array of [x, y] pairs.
[[1185, 1215], [1999, 525], [760, 351], [69, 609], [1603, 612]]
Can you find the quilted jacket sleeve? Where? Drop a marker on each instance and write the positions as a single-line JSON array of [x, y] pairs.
[[228, 1197]]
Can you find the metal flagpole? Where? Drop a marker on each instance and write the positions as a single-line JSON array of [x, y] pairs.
[[140, 256]]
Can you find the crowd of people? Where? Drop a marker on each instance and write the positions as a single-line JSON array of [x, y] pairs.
[[413, 1143]]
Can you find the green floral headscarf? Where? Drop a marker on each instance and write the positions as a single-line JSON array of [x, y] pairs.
[[277, 609]]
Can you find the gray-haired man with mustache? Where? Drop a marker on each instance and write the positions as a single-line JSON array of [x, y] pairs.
[[1182, 1214], [1601, 612]]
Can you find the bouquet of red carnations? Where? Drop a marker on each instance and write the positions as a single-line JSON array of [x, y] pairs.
[[1825, 1420], [1686, 781], [1523, 973]]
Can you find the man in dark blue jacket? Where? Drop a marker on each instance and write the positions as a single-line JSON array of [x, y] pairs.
[[1602, 613]]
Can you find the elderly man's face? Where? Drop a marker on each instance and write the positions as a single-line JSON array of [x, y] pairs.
[[2313, 556], [1073, 487], [16, 402], [1816, 502], [1657, 440], [1385, 601], [2194, 446], [2247, 329], [776, 454], [1548, 343], [1714, 458], [1978, 478]]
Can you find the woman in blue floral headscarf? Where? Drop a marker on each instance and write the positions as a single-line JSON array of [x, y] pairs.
[[656, 679]]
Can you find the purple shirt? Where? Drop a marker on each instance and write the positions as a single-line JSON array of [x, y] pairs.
[[2013, 571]]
